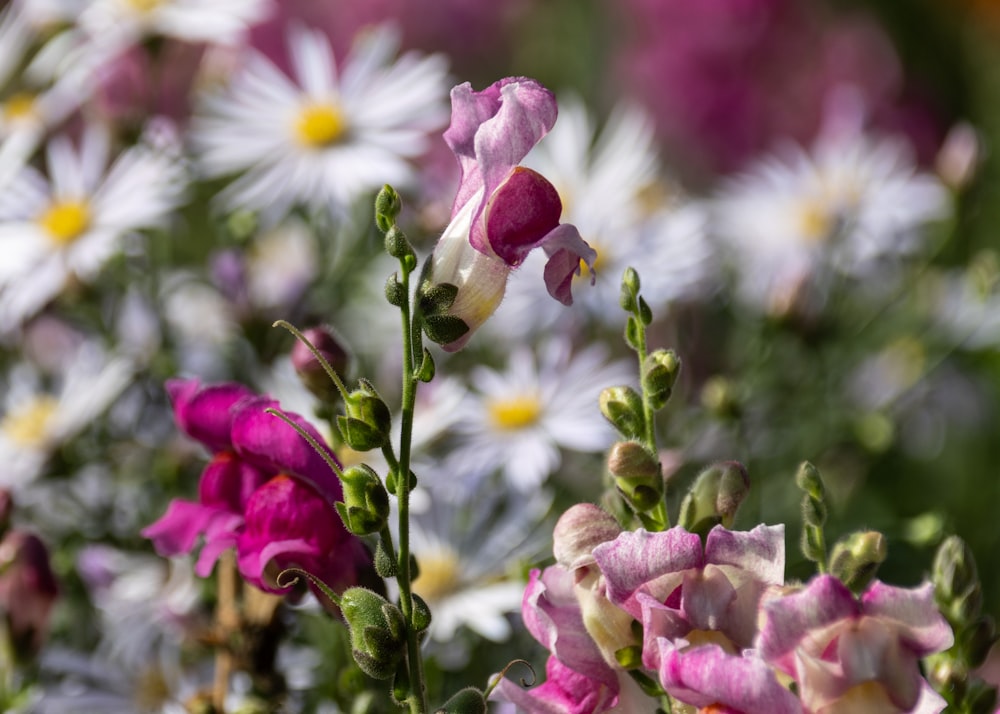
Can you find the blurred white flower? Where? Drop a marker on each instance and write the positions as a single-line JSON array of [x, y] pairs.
[[35, 421], [68, 225], [119, 23], [794, 219], [613, 190], [517, 421], [323, 137], [465, 551]]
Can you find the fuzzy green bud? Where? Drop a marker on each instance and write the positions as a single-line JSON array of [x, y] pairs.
[[622, 406], [719, 396], [659, 374], [397, 245], [378, 631], [367, 423], [977, 639], [466, 701], [385, 565], [629, 290], [421, 614], [387, 208], [365, 508], [715, 497], [807, 478], [856, 558], [955, 577], [637, 474]]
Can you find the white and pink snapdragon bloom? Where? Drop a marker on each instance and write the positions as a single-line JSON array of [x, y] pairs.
[[719, 630], [502, 210]]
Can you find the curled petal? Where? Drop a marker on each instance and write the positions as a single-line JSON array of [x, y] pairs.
[[912, 614], [519, 215], [177, 531], [205, 412], [653, 563], [760, 551], [566, 251], [706, 676]]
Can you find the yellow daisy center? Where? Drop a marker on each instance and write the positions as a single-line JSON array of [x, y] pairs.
[[66, 221], [320, 125], [143, 6], [439, 574], [28, 425], [816, 223], [515, 412], [19, 106]]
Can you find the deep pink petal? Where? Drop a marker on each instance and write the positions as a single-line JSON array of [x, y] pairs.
[[654, 563], [522, 211], [269, 443], [566, 251], [227, 482], [565, 691], [177, 531], [706, 675], [205, 412]]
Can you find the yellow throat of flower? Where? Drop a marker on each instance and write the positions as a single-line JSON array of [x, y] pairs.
[[65, 221], [439, 574], [28, 426], [515, 412], [318, 125]]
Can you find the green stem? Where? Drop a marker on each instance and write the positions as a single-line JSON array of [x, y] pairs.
[[658, 518], [418, 695]]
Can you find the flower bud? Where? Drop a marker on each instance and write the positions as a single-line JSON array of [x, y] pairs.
[[28, 590], [659, 374], [367, 424], [807, 478], [365, 508], [719, 396], [578, 531], [715, 497], [397, 245], [956, 580], [622, 406], [387, 208], [466, 701], [310, 370], [637, 474], [629, 289], [378, 631], [976, 640], [856, 558]]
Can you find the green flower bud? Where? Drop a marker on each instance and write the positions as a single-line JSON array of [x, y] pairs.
[[954, 572], [622, 406], [395, 293], [715, 497], [385, 565], [807, 478], [719, 396], [421, 614], [378, 631], [856, 558], [367, 424], [637, 474], [976, 640], [629, 289], [659, 374], [365, 508], [466, 701], [425, 372], [397, 245], [387, 207]]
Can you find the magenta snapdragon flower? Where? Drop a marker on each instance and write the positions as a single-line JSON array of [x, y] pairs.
[[850, 653], [266, 492], [502, 211]]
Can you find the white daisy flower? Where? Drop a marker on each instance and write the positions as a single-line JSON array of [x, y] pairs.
[[611, 189], [465, 551], [517, 421], [67, 225], [119, 23], [324, 136], [793, 220], [35, 421]]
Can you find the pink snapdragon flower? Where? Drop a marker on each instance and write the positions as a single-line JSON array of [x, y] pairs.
[[502, 211], [850, 654], [678, 590], [266, 492]]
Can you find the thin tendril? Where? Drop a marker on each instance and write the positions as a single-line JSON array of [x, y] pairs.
[[309, 438], [331, 372], [503, 673]]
